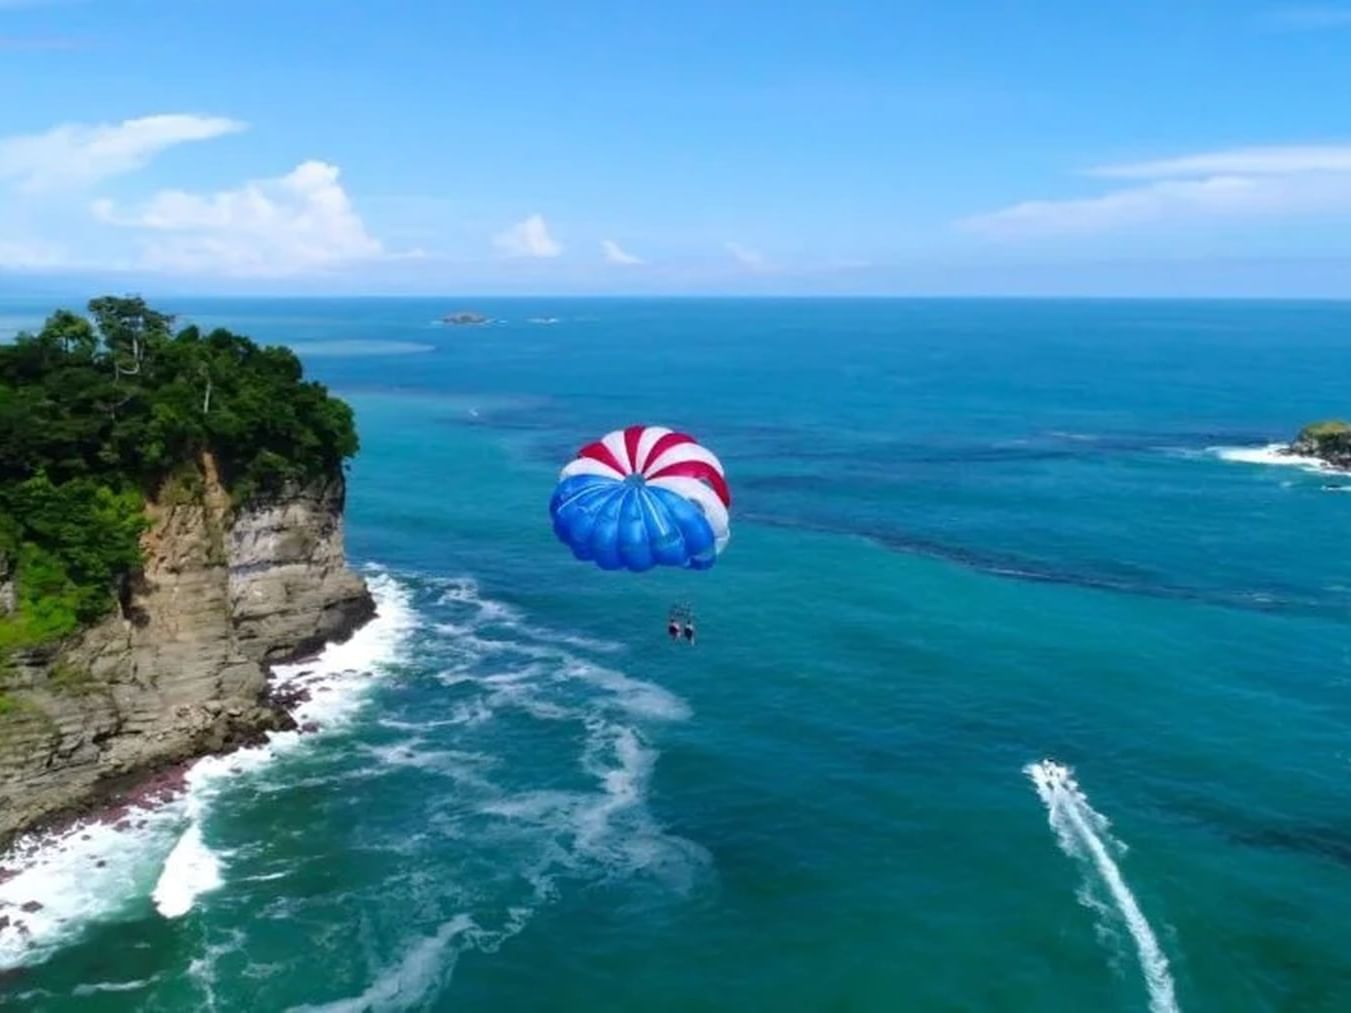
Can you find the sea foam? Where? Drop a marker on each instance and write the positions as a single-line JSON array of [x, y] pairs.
[[1271, 454], [96, 871]]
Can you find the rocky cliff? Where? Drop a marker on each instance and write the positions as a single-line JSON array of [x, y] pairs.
[[181, 668]]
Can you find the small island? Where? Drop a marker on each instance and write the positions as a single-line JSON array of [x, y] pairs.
[[464, 319], [1328, 442]]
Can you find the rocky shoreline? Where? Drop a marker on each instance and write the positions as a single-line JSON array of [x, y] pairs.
[[116, 801], [1328, 442], [113, 717], [80, 839]]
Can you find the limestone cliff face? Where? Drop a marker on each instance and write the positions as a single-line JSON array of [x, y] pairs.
[[180, 669]]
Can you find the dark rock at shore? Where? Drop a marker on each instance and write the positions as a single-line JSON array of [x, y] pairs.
[[1329, 442], [28, 907], [288, 698]]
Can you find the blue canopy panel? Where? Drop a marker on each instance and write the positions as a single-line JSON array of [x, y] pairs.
[[629, 524]]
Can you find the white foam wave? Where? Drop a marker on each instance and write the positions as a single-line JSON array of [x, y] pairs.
[[489, 612], [500, 663], [87, 873], [1271, 454], [624, 784], [98, 987], [611, 831], [1085, 835], [573, 640], [641, 698], [463, 766], [610, 828], [95, 871], [423, 970], [202, 970], [191, 870], [1081, 437]]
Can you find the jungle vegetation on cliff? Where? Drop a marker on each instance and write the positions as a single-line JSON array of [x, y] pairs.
[[98, 413]]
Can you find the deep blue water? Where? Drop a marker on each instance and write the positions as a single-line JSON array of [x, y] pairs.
[[966, 536]]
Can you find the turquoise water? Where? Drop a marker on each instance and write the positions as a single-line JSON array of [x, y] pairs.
[[966, 536]]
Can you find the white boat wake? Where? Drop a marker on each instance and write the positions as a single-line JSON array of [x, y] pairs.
[[1085, 835]]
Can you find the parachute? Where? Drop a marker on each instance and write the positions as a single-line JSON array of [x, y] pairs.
[[641, 497]]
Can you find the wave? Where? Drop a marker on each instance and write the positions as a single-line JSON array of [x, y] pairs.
[[528, 811], [191, 870], [525, 747], [1270, 454], [98, 987], [96, 871], [70, 880], [425, 967], [491, 613], [1085, 835]]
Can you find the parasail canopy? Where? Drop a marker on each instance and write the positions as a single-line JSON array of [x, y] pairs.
[[641, 497]]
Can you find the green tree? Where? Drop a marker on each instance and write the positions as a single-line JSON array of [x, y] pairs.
[[95, 417], [131, 330]]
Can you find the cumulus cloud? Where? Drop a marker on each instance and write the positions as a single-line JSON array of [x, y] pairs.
[[301, 222], [1238, 184], [528, 238], [616, 254], [76, 155], [746, 256]]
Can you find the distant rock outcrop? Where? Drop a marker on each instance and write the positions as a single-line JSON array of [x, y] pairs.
[[464, 318], [1329, 442]]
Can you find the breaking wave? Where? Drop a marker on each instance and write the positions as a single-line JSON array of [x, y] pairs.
[[96, 870], [529, 749], [1271, 454]]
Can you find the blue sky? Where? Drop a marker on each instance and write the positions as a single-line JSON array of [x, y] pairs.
[[1143, 148]]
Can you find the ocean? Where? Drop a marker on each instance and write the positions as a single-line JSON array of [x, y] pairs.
[[968, 537]]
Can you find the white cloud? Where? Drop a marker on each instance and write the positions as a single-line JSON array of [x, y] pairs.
[[1243, 184], [528, 238], [299, 223], [75, 155], [746, 256], [1268, 161], [616, 254]]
